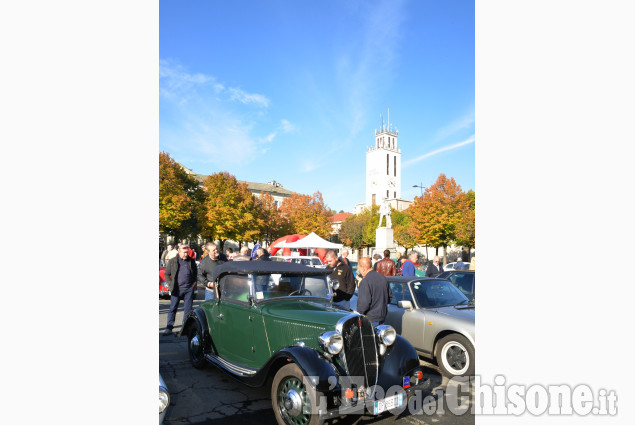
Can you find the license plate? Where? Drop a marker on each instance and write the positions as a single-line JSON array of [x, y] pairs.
[[388, 403]]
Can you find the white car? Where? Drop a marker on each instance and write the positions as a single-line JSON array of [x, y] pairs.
[[450, 266], [304, 260]]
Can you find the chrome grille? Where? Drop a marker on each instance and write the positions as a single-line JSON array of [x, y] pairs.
[[360, 351]]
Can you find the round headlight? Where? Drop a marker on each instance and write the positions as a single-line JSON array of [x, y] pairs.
[[331, 342], [164, 399], [386, 334]]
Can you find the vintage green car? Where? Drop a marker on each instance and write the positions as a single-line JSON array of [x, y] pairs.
[[276, 320]]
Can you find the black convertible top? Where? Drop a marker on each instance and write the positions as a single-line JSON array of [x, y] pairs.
[[265, 267]]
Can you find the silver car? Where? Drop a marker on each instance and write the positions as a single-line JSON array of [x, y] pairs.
[[436, 318]]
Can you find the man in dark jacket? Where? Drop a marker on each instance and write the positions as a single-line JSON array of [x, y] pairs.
[[262, 255], [344, 276], [386, 266], [180, 276], [434, 268], [206, 268], [374, 293]]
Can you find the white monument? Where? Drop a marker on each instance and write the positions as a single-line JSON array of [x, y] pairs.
[[384, 211], [384, 236]]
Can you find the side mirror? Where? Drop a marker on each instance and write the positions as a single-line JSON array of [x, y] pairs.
[[335, 284], [405, 304]]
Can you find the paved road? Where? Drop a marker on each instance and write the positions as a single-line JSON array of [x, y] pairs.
[[211, 397]]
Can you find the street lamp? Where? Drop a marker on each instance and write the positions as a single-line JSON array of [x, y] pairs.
[[421, 187]]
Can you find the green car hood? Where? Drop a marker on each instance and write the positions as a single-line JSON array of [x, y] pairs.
[[288, 322]]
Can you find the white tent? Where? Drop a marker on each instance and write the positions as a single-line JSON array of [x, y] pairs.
[[311, 241]]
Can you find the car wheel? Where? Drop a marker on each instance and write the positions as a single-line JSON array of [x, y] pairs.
[[195, 345], [293, 402], [455, 356]]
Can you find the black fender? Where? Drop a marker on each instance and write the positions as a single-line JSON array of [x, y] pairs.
[[320, 373], [198, 315], [400, 360]]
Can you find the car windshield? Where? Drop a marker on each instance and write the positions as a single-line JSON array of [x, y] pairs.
[[267, 287], [437, 294]]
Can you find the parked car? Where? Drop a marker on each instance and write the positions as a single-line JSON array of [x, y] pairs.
[[450, 266], [304, 260], [420, 270], [436, 318], [465, 280], [164, 399], [164, 291], [323, 362]]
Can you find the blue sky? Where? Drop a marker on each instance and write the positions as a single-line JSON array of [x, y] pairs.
[[292, 91]]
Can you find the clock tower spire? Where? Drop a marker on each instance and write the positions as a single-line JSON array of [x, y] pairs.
[[383, 165]]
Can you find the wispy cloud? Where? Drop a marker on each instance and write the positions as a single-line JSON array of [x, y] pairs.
[[364, 63], [366, 68], [213, 120], [175, 82], [287, 127], [248, 98], [443, 149], [462, 123]]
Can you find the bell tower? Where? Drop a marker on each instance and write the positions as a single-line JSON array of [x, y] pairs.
[[383, 165]]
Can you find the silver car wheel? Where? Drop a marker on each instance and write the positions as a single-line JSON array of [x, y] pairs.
[[455, 358]]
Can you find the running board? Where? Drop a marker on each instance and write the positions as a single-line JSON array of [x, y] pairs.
[[232, 367]]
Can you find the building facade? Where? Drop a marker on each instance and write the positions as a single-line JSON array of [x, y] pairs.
[[278, 193]]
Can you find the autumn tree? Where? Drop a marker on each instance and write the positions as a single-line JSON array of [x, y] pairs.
[[358, 231], [370, 217], [402, 228], [436, 215], [273, 224], [229, 210], [352, 232], [179, 198], [466, 227], [306, 214]]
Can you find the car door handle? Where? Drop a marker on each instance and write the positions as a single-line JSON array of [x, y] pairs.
[[220, 316]]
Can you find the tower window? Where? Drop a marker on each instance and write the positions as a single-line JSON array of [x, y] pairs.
[[387, 194], [395, 195], [387, 164], [395, 167]]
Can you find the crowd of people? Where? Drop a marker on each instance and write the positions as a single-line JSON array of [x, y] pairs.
[[182, 274]]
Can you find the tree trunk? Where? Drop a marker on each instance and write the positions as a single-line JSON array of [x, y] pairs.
[[465, 253], [221, 242], [445, 255]]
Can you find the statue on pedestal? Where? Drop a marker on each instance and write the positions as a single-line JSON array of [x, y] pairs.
[[384, 211]]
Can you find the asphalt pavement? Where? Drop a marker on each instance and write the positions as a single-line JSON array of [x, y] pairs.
[[209, 396]]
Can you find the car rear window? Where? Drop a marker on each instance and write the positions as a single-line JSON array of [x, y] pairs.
[[314, 286]]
